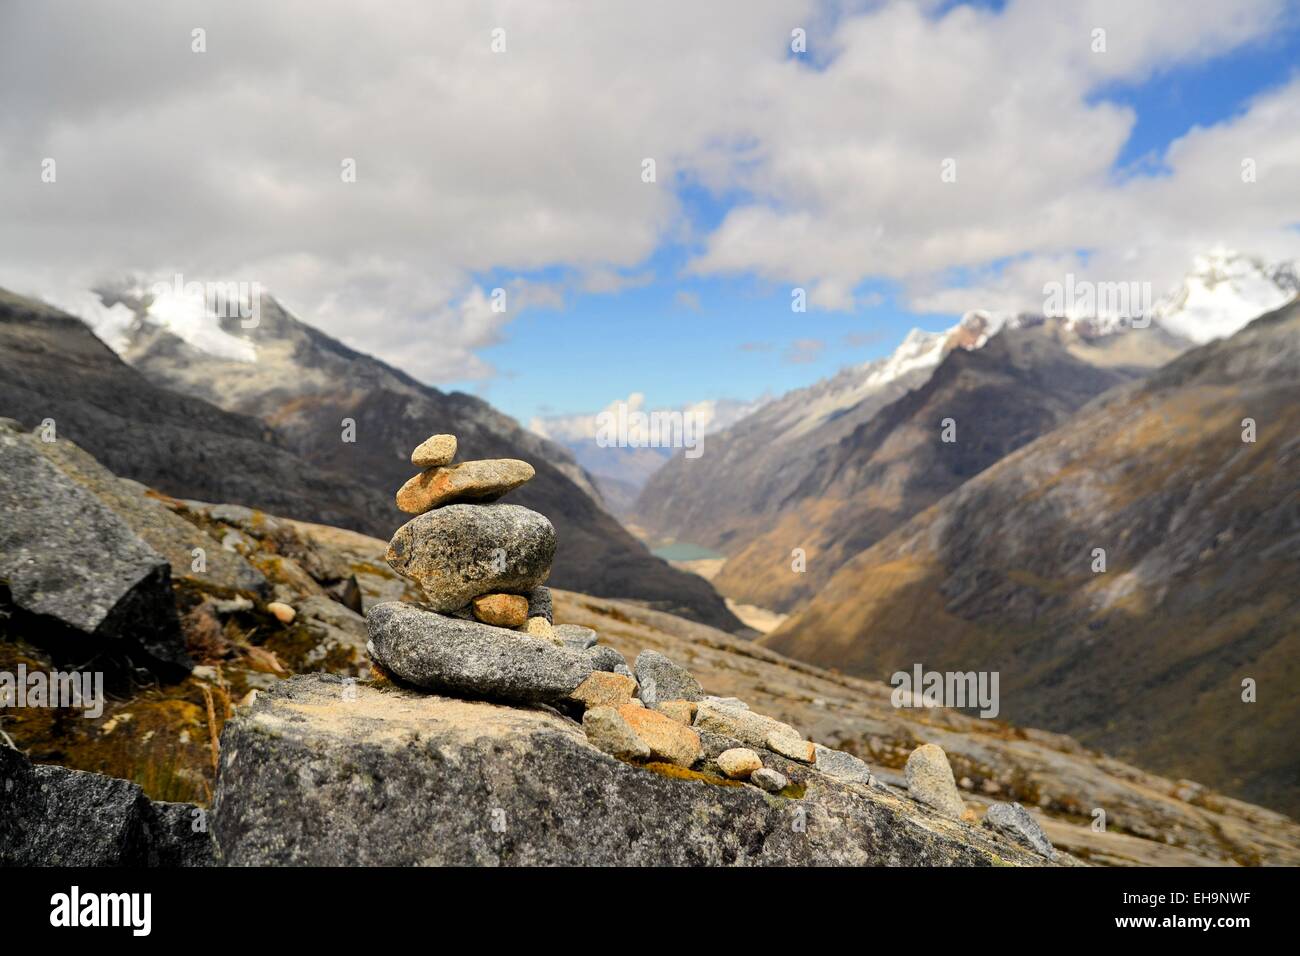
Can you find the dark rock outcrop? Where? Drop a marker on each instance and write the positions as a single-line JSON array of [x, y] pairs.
[[52, 816], [76, 568], [400, 778]]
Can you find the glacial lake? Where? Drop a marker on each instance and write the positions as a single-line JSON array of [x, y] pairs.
[[684, 551]]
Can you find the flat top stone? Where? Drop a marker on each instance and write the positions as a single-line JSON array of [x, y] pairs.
[[485, 480]]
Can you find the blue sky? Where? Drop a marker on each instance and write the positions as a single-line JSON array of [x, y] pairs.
[[742, 342], [1176, 100]]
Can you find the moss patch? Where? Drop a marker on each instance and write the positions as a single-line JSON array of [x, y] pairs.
[[681, 773]]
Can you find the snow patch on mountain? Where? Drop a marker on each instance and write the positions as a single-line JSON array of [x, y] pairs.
[[112, 324], [1223, 293], [918, 350], [116, 317], [186, 314]]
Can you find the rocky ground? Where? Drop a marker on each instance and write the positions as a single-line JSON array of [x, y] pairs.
[[405, 777], [497, 781], [1150, 820]]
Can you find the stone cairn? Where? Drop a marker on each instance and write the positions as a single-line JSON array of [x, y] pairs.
[[486, 631]]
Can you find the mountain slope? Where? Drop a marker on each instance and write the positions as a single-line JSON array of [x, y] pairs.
[[304, 385], [52, 367], [751, 473], [1023, 383], [1201, 590], [723, 497]]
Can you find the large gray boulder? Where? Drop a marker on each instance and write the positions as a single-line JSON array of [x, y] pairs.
[[470, 659], [53, 816], [70, 561], [461, 551], [155, 523], [399, 777]]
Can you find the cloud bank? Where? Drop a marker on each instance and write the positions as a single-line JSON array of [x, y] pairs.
[[967, 155]]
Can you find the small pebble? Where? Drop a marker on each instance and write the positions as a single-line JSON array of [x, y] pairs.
[[769, 780], [539, 627], [739, 762], [501, 610], [283, 612]]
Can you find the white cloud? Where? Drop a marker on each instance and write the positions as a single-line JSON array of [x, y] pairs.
[[226, 164], [851, 189], [710, 416]]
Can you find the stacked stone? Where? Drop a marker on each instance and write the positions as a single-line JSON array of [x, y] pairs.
[[480, 565], [486, 630]]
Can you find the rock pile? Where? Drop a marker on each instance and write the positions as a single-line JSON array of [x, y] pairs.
[[485, 631]]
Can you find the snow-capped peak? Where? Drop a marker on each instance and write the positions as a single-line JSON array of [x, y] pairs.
[[979, 325], [188, 311], [710, 416], [919, 349], [1224, 292]]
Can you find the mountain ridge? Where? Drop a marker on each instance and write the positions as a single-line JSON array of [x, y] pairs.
[[1146, 658], [1023, 382]]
